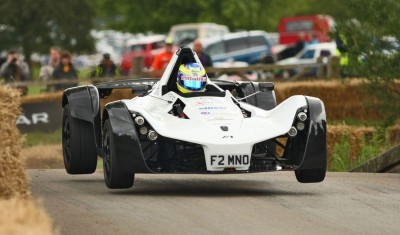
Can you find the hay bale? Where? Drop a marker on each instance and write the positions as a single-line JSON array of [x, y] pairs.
[[342, 99], [13, 181], [22, 216], [43, 157], [19, 214], [394, 134], [355, 137], [45, 97]]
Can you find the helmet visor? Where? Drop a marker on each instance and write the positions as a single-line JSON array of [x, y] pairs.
[[193, 83]]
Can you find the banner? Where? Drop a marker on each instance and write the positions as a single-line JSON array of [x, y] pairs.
[[40, 117]]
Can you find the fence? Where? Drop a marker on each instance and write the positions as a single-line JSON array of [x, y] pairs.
[[321, 70]]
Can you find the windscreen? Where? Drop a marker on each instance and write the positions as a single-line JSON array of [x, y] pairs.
[[138, 47], [185, 36], [294, 26]]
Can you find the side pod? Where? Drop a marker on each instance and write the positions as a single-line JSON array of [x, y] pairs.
[[128, 150]]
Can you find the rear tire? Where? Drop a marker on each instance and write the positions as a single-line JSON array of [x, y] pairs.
[[113, 177], [78, 143], [311, 175]]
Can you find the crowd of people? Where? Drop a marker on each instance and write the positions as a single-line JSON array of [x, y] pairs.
[[60, 66]]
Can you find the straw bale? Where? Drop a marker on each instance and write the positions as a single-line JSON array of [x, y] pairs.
[[18, 213], [43, 157], [45, 97], [13, 181], [342, 99], [24, 216]]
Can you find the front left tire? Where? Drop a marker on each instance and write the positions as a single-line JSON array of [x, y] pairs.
[[311, 175]]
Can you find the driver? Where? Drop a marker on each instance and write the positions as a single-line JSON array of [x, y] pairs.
[[191, 78]]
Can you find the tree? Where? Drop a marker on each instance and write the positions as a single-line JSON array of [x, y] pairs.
[[371, 39], [158, 16], [34, 26]]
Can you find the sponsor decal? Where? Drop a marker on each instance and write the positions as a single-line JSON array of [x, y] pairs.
[[195, 78], [220, 118], [212, 108]]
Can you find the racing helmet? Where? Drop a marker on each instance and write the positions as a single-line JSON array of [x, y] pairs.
[[191, 78]]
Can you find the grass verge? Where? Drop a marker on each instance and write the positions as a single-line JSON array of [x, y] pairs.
[[38, 138], [370, 147]]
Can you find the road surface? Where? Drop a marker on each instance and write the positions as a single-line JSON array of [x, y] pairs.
[[263, 203]]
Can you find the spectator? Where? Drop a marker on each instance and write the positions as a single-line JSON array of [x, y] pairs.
[[161, 60], [300, 43], [65, 70], [314, 40], [46, 71], [106, 68], [292, 50], [204, 58], [14, 69]]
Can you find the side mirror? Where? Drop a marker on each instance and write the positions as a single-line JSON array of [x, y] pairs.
[[141, 89], [266, 86]]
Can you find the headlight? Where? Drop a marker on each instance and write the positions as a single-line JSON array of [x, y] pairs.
[[143, 130], [152, 135], [139, 120], [300, 126], [302, 116], [292, 132]]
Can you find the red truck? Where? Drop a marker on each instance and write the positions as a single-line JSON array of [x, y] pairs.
[[318, 26], [147, 46]]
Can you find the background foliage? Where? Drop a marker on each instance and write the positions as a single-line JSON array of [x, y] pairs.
[[34, 26], [367, 35], [158, 16]]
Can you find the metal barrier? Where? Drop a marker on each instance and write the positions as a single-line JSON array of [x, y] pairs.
[[388, 161]]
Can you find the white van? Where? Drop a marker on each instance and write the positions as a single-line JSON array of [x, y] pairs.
[[311, 53], [187, 33]]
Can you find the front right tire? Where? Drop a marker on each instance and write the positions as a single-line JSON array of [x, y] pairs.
[[78, 144], [113, 177]]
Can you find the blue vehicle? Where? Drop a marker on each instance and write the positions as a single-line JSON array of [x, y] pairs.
[[248, 46]]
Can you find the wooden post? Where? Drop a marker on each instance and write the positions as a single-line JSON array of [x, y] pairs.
[[333, 69], [321, 69], [137, 66]]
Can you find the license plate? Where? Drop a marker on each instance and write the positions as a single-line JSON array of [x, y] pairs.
[[230, 160]]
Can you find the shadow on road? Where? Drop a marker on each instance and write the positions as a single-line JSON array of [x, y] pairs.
[[195, 187]]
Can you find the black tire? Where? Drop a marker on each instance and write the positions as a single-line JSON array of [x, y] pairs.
[[311, 175], [113, 177], [78, 143]]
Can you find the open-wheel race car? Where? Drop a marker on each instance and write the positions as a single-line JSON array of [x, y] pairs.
[[229, 127]]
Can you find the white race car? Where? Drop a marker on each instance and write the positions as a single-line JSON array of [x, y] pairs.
[[230, 128]]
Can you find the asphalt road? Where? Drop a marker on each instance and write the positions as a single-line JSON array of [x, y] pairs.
[[263, 203]]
